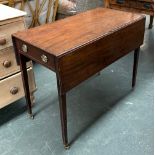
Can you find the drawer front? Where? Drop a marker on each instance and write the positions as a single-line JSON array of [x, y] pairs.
[[7, 30], [145, 5], [36, 54], [120, 2], [13, 88], [12, 20], [8, 65]]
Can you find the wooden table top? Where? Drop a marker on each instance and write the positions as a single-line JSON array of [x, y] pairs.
[[68, 34]]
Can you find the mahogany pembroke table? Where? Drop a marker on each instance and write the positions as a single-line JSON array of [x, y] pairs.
[[78, 47]]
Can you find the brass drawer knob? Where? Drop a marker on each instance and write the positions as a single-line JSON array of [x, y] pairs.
[[7, 63], [14, 90], [2, 41], [120, 1], [44, 58], [147, 5], [24, 48]]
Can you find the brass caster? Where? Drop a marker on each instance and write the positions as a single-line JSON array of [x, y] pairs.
[[31, 116], [150, 26], [99, 73], [133, 87], [66, 147]]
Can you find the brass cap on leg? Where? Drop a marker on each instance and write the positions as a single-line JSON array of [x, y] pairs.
[[31, 116], [66, 146]]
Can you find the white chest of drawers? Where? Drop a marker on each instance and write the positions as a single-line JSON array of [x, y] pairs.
[[11, 88]]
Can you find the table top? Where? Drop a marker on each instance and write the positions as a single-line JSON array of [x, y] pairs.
[[74, 32], [9, 13]]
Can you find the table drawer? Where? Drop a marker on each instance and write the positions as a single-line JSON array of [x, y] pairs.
[[151, 1], [120, 2], [7, 30], [36, 54], [144, 5], [8, 65], [139, 4], [13, 88]]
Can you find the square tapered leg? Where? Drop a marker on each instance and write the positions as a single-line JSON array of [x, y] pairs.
[[26, 84], [135, 66], [63, 113]]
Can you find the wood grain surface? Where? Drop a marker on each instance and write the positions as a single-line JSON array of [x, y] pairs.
[[71, 33], [78, 66]]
